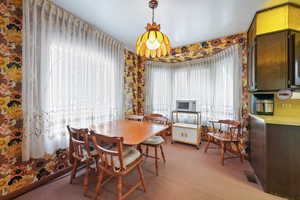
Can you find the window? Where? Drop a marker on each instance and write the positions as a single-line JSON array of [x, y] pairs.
[[72, 75], [215, 84]]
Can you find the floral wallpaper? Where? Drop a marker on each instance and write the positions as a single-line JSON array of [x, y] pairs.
[[134, 83], [15, 174]]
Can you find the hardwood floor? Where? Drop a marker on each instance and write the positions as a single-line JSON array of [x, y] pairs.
[[188, 174]]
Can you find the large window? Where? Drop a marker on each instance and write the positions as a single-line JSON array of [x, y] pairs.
[[72, 75], [214, 82]]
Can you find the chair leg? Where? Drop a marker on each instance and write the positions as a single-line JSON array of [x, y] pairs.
[[147, 150], [139, 147], [97, 166], [162, 153], [222, 152], [164, 135], [239, 151], [119, 187], [207, 145], [99, 184], [141, 177], [156, 161], [86, 179], [74, 170]]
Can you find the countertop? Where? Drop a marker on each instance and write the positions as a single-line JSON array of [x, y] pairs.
[[281, 120]]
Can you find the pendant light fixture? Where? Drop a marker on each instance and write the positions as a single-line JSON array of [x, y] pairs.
[[153, 43]]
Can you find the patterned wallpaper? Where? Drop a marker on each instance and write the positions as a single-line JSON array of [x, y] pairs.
[[134, 83], [15, 174]]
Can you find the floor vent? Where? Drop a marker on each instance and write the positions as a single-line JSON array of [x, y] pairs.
[[250, 177]]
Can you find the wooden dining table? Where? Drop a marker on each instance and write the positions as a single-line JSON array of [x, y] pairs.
[[133, 132]]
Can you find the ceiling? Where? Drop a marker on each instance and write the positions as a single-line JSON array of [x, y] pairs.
[[184, 21]]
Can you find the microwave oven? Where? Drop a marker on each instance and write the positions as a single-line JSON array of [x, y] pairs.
[[186, 105]]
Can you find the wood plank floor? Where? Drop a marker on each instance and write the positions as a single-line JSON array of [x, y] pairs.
[[189, 174]]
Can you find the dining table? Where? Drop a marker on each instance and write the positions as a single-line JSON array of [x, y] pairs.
[[132, 132]]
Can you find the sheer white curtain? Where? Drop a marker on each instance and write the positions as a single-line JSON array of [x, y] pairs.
[[214, 82], [72, 75]]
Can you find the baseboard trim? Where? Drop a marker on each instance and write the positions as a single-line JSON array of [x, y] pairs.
[[36, 184]]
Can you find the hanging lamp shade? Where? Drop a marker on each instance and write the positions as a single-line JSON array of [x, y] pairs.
[[153, 43]]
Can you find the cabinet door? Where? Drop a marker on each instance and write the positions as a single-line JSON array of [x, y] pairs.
[[297, 59], [272, 61], [258, 148], [251, 55], [178, 134], [192, 136], [294, 56], [251, 67]]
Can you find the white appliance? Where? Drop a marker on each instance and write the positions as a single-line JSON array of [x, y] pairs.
[[186, 105]]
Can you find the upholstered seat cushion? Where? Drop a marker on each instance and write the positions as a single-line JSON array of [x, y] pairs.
[[222, 137], [154, 140], [130, 154], [85, 154]]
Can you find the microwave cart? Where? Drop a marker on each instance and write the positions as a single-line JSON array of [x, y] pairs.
[[186, 132]]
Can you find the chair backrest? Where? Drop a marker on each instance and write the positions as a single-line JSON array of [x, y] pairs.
[[134, 117], [109, 158], [79, 142], [229, 128], [153, 115], [156, 118]]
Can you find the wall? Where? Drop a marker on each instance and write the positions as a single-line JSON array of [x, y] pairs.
[[134, 83]]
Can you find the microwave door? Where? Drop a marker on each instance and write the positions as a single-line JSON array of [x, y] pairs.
[[183, 105]]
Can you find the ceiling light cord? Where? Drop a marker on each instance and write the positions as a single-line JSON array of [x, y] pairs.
[[152, 15], [153, 4]]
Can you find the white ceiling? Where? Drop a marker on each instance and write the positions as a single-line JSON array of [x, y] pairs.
[[184, 21]]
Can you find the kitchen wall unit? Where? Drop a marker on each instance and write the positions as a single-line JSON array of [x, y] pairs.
[[274, 49], [274, 61]]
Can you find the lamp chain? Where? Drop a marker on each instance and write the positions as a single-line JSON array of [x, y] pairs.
[[152, 15]]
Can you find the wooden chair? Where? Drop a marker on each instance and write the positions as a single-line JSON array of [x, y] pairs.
[[158, 119], [227, 133], [156, 141], [117, 162], [81, 148], [135, 117]]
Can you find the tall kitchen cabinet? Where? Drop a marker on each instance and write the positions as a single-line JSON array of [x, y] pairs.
[[274, 61]]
